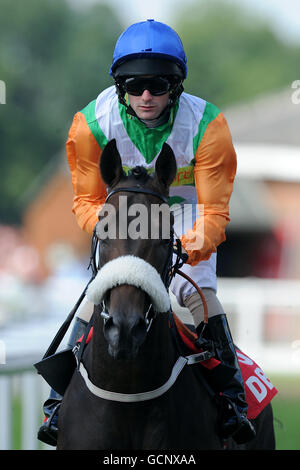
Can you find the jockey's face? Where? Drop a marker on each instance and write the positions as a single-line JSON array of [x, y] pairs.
[[148, 106]]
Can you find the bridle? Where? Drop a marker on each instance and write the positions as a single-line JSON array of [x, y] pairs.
[[169, 268], [169, 271], [131, 189], [45, 368], [140, 189]]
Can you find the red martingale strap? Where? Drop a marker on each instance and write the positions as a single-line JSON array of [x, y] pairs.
[[89, 337]]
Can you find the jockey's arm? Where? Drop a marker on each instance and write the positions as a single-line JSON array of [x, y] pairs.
[[214, 173], [83, 153]]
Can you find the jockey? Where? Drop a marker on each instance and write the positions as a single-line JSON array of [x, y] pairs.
[[145, 108]]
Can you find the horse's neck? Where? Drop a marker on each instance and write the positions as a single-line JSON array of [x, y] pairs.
[[149, 370]]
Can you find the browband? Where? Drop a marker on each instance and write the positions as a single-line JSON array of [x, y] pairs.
[[138, 189]]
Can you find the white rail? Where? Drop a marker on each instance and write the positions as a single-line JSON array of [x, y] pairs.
[[22, 393], [254, 308]]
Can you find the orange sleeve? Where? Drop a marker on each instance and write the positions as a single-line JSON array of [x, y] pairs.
[[214, 174], [83, 154]]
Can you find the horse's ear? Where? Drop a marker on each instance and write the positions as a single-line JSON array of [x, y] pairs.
[[165, 167], [111, 164]]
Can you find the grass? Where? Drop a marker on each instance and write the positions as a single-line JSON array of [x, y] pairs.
[[16, 423], [287, 417], [286, 409]]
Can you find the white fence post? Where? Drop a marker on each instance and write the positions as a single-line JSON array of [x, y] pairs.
[[30, 400], [250, 319], [5, 413]]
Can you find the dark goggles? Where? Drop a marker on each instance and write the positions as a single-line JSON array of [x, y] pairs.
[[155, 85]]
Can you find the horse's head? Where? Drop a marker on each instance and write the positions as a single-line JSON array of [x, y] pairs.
[[135, 233]]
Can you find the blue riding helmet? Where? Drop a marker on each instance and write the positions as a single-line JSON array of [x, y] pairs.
[[149, 40]]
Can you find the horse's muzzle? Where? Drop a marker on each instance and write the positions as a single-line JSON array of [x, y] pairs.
[[125, 335]]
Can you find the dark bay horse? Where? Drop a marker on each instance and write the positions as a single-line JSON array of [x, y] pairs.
[[132, 390]]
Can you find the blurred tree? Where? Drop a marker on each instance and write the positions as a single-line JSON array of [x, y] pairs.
[[53, 59], [232, 54]]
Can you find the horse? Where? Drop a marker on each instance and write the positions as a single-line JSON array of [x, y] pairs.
[[132, 390]]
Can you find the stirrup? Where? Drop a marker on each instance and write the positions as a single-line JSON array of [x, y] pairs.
[[241, 430], [48, 433], [245, 432]]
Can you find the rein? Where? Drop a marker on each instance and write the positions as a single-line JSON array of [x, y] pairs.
[[181, 273]]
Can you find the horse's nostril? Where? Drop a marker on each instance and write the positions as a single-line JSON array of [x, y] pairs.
[[111, 331], [139, 331], [125, 335]]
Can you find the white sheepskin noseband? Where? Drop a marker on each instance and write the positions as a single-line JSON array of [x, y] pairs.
[[133, 271]]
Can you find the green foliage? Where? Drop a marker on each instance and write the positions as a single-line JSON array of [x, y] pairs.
[[54, 60], [232, 54]]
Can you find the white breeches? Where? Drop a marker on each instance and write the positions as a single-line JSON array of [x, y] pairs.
[[204, 273]]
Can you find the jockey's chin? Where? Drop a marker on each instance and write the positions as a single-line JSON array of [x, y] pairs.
[[147, 106]]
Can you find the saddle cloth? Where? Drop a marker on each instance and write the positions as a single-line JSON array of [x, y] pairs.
[[259, 389]]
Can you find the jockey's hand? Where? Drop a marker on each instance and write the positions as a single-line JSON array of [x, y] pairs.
[[184, 255]]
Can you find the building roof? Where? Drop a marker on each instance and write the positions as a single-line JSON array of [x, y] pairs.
[[268, 162]]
